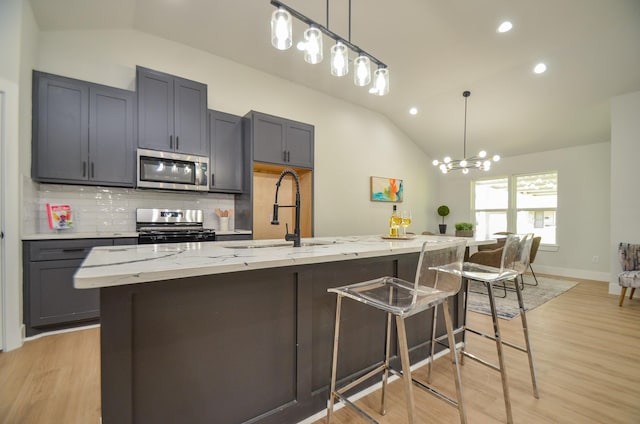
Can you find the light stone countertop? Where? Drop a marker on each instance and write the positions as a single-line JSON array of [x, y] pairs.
[[120, 265]]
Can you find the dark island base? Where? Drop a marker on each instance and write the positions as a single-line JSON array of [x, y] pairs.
[[245, 347]]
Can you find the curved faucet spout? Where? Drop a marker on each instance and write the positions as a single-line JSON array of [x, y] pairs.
[[295, 237]]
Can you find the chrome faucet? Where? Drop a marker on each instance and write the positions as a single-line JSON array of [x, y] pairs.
[[295, 237]]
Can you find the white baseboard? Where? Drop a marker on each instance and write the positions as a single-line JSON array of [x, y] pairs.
[[570, 272], [66, 330]]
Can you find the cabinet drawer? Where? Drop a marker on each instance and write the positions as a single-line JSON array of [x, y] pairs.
[[50, 250]]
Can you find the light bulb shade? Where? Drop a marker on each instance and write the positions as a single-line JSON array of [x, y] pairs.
[[313, 45], [281, 29], [496, 158], [381, 82], [339, 60], [362, 71]]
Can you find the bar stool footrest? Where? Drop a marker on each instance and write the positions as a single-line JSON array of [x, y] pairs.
[[355, 407], [480, 360], [427, 388], [504, 342]]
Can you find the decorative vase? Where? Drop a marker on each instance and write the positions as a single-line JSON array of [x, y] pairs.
[[443, 228]]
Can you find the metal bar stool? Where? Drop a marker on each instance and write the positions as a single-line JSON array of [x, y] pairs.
[[514, 260], [438, 277]]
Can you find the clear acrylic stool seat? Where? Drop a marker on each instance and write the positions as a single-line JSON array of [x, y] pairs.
[[438, 277]]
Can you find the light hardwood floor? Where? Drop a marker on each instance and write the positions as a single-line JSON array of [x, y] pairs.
[[587, 352]]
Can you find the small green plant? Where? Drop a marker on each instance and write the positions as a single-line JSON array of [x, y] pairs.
[[443, 211], [464, 226]]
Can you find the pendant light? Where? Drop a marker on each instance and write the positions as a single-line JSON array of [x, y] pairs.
[[474, 162], [281, 38], [380, 85], [339, 60], [362, 73], [281, 29], [313, 45]]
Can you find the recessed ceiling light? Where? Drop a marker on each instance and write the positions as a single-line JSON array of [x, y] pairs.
[[413, 111], [540, 68], [505, 26]]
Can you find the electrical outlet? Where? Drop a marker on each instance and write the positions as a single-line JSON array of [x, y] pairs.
[[595, 259]]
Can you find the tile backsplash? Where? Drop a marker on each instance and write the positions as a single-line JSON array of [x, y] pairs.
[[111, 209]]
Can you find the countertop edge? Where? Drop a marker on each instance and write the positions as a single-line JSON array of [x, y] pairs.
[[192, 260]]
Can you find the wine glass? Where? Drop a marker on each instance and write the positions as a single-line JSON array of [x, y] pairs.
[[406, 221]]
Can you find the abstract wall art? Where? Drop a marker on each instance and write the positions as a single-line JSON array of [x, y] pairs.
[[386, 189]]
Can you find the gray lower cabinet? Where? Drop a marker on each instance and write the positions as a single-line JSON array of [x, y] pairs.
[[50, 300], [281, 141], [83, 133], [226, 152], [172, 113]]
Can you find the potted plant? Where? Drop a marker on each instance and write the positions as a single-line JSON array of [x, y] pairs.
[[464, 229], [443, 211]]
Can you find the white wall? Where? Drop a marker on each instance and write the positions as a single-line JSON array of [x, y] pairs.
[[17, 43], [583, 205], [351, 142], [625, 201]]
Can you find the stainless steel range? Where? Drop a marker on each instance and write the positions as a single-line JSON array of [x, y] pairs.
[[171, 226]]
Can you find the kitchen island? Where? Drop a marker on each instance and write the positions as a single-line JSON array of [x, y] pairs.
[[239, 332]]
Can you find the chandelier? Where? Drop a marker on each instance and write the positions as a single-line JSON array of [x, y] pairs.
[[480, 161], [281, 39]]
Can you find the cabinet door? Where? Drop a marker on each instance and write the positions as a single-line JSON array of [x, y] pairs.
[[54, 300], [268, 138], [191, 117], [299, 144], [227, 166], [61, 131], [111, 132], [155, 110]]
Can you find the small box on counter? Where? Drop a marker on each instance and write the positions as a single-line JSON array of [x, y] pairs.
[[59, 217]]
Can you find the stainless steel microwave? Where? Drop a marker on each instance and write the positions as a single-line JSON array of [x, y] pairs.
[[172, 171]]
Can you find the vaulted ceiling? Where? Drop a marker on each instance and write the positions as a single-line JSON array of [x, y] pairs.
[[434, 49]]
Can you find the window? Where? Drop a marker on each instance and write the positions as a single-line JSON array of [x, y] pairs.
[[491, 200], [519, 203]]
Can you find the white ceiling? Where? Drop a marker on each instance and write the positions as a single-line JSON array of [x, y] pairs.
[[435, 49]]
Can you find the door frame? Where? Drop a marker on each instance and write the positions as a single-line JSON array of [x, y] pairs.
[[10, 205]]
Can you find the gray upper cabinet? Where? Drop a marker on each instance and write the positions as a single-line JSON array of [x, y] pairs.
[[227, 152], [299, 144], [281, 141], [172, 113], [111, 135], [83, 133]]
